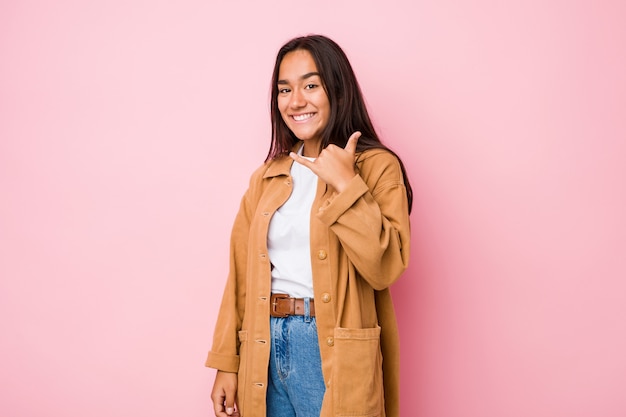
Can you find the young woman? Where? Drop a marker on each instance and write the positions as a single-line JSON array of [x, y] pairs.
[[306, 326]]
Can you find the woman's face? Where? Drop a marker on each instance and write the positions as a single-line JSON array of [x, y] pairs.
[[302, 100]]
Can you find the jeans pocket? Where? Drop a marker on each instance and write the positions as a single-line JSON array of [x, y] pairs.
[[357, 379]]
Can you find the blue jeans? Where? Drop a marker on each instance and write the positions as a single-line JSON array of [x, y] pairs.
[[295, 385]]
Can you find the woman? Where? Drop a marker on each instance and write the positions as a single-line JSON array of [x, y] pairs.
[[322, 232]]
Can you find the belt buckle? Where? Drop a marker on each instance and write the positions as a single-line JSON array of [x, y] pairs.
[[276, 297]]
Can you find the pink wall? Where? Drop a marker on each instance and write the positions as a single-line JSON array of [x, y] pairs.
[[128, 130]]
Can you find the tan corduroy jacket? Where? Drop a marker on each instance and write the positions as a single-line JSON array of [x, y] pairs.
[[359, 247]]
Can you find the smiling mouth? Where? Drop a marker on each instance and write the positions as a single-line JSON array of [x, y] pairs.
[[302, 117]]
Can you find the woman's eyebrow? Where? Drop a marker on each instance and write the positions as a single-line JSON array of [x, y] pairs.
[[304, 77]]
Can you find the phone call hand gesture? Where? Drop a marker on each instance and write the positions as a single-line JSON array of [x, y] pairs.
[[334, 165]]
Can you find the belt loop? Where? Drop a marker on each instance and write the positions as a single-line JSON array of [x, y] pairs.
[[307, 310]]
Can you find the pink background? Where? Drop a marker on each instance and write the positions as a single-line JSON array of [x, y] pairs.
[[128, 130]]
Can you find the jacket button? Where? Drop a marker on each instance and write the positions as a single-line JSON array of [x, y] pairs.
[[330, 341], [326, 297], [322, 254]]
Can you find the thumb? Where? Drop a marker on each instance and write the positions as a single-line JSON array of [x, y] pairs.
[[352, 141], [230, 404]]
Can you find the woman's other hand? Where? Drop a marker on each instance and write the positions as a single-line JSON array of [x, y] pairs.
[[224, 393]]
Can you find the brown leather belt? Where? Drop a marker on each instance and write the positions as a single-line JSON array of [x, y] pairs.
[[281, 305]]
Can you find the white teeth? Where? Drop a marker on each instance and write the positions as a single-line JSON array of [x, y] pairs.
[[300, 117]]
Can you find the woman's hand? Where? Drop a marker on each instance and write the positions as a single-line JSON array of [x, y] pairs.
[[224, 393], [334, 165]]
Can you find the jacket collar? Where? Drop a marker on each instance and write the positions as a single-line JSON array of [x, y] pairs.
[[282, 164]]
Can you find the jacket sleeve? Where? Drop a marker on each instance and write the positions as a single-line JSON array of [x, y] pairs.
[[371, 219], [224, 354]]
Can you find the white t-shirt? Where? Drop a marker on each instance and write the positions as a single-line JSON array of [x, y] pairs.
[[288, 238]]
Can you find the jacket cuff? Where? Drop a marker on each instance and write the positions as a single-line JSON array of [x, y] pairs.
[[226, 363], [339, 203]]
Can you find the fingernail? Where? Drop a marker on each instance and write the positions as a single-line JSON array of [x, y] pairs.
[[229, 410]]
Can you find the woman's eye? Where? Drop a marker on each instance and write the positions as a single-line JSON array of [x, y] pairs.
[[310, 86], [283, 90]]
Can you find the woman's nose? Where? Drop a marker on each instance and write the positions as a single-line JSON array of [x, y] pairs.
[[297, 99]]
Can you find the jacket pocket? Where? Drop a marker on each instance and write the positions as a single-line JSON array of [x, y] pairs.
[[357, 377], [243, 365]]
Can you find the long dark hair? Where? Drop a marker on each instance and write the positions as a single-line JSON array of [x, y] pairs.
[[348, 113]]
